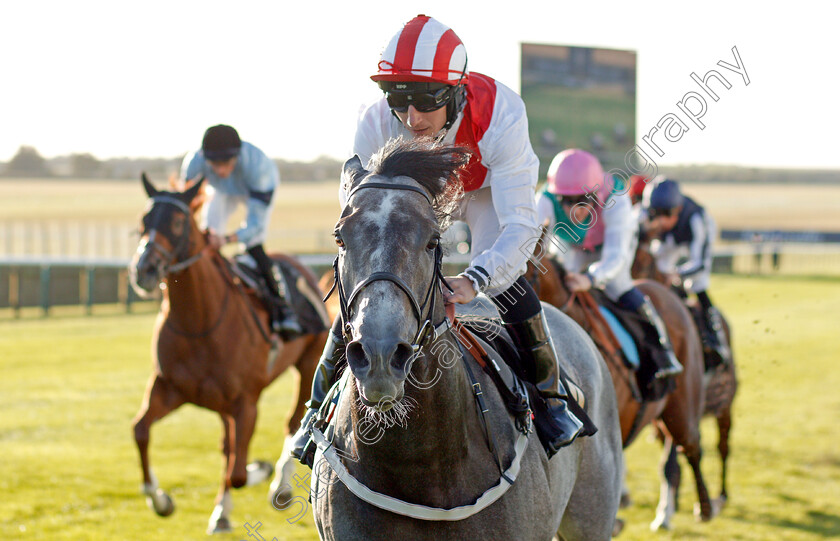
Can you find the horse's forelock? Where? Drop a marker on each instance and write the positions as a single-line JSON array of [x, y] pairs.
[[435, 167]]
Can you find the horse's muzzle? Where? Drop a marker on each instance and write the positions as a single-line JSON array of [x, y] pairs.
[[146, 272], [381, 368]]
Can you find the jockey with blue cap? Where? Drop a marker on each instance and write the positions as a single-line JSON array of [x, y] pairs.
[[683, 230], [241, 174], [429, 92], [593, 224]]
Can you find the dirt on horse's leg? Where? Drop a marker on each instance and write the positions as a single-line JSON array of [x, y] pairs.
[[160, 399]]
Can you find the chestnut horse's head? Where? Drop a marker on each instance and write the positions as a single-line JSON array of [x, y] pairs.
[[389, 260], [167, 234]]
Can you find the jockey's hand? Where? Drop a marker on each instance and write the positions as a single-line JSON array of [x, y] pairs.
[[215, 240], [463, 289], [578, 282], [673, 279]]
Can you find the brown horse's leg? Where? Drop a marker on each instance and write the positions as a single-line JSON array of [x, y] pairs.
[[244, 421], [160, 399], [724, 422], [219, 521], [306, 365], [280, 490]]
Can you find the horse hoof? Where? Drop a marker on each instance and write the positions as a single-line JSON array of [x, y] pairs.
[[280, 497], [701, 516], [161, 503], [258, 471], [222, 525], [618, 526], [660, 523]]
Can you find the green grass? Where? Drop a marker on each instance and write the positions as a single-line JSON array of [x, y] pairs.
[[71, 385]]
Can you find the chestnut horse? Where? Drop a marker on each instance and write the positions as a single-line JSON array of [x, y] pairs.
[[210, 346], [677, 415], [721, 381]]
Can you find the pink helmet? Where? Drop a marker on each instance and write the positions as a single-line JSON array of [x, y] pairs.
[[575, 172], [424, 50]]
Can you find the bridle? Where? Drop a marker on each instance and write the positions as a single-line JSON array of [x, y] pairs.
[[426, 329], [171, 263]]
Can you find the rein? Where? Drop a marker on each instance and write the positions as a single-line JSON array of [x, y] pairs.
[[601, 331], [330, 453], [427, 332], [172, 266], [425, 326]]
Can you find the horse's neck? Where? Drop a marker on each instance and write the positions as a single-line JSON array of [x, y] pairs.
[[559, 295], [443, 418], [196, 294]]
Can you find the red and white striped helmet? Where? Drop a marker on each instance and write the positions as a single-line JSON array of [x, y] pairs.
[[424, 50]]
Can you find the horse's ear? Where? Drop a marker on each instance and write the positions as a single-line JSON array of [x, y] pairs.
[[193, 190], [151, 191], [352, 172]]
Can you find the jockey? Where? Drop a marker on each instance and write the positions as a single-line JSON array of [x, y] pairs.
[[429, 92], [685, 230], [591, 218], [240, 173]]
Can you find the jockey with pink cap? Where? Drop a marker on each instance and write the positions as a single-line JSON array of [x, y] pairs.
[[593, 225], [430, 93]]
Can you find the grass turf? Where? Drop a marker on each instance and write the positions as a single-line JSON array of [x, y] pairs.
[[71, 385]]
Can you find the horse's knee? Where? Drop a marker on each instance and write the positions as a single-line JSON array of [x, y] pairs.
[[141, 433]]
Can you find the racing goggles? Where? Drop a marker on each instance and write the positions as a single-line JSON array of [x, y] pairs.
[[572, 200], [425, 100]]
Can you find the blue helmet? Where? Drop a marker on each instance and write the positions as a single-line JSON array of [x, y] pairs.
[[665, 195]]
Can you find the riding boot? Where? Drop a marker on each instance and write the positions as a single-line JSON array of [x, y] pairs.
[[714, 337], [534, 344], [668, 365], [303, 447], [283, 319]]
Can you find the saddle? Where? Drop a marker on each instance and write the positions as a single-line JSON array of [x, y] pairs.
[[489, 343], [300, 297], [621, 334]]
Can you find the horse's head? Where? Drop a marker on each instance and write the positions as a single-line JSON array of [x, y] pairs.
[[165, 233], [389, 260]]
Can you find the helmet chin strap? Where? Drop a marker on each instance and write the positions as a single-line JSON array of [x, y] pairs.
[[455, 105]]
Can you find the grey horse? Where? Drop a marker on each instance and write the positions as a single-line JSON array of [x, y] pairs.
[[407, 430]]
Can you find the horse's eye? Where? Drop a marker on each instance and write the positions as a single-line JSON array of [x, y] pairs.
[[338, 240], [433, 242]]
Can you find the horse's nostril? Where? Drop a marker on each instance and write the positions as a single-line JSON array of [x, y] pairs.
[[402, 356], [356, 357]]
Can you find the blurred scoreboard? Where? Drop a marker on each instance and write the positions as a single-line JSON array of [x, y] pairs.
[[579, 97]]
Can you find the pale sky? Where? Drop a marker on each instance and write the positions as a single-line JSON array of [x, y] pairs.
[[146, 79]]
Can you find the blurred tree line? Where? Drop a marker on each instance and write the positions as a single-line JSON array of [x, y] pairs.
[[29, 163]]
